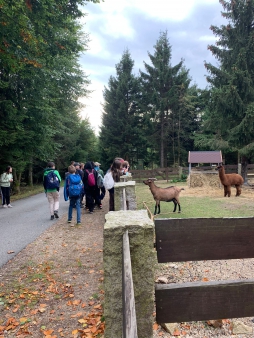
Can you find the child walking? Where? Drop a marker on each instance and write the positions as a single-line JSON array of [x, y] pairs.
[[51, 183], [73, 189]]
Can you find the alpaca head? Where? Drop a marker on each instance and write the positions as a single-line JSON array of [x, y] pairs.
[[219, 167]]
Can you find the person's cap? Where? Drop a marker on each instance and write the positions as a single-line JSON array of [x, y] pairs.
[[97, 164], [76, 164]]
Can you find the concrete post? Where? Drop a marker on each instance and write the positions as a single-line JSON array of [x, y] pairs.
[[130, 195], [141, 235]]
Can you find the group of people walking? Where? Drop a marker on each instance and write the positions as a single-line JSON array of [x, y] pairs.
[[81, 180], [84, 186]]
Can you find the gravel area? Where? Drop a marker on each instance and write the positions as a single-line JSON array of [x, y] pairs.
[[194, 271]]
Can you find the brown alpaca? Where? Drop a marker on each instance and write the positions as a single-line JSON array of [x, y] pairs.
[[230, 179]]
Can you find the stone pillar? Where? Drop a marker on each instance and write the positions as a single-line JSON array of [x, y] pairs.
[[130, 195], [126, 178], [141, 236]]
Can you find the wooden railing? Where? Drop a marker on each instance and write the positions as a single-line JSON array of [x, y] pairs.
[[170, 173], [204, 239], [129, 312]]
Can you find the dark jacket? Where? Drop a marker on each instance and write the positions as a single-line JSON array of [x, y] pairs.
[[88, 169]]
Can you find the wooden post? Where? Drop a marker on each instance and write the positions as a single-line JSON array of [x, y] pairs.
[[180, 172], [129, 312]]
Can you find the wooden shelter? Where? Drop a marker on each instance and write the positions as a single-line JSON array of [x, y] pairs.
[[211, 157]]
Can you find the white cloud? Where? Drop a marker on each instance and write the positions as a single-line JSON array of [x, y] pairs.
[[208, 38], [111, 25], [93, 108]]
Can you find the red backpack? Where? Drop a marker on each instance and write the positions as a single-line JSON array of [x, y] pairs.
[[90, 178]]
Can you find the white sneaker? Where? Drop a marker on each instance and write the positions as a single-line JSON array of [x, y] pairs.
[[9, 206], [4, 205]]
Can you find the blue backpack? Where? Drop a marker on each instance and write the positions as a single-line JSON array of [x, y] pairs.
[[52, 180], [75, 185]]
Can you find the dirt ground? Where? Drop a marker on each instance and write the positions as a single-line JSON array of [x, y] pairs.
[[54, 287]]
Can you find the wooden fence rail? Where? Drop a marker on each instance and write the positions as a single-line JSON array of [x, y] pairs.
[[129, 312], [170, 173], [204, 239]]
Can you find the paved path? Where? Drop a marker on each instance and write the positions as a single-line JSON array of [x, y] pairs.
[[23, 223]]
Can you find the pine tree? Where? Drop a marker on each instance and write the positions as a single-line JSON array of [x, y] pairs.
[[121, 131], [229, 119], [164, 87]]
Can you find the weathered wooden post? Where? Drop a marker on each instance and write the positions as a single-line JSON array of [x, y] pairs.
[[141, 237]]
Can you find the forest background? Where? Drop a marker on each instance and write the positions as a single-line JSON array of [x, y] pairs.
[[151, 119]]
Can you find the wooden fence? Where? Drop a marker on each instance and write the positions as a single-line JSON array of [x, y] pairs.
[[170, 173], [129, 312], [204, 239]]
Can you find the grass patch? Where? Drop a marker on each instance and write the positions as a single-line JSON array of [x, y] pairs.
[[197, 206], [27, 191]]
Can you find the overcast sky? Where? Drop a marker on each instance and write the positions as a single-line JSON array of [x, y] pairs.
[[117, 25]]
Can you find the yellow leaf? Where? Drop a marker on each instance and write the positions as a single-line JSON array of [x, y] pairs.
[[23, 319], [48, 332]]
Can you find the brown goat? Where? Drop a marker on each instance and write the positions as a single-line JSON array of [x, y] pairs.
[[230, 179], [170, 194]]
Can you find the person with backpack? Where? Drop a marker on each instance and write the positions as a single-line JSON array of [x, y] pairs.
[[100, 185], [90, 186], [5, 182], [51, 183], [73, 189]]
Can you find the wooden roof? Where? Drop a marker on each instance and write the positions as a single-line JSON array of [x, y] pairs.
[[205, 157]]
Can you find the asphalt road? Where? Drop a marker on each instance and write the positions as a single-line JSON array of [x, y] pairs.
[[23, 223]]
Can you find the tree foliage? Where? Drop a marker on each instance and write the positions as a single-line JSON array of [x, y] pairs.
[[41, 82], [228, 121], [121, 133], [166, 102]]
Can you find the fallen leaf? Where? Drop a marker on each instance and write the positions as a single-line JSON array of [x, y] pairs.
[[176, 333], [155, 326], [48, 332], [10, 252]]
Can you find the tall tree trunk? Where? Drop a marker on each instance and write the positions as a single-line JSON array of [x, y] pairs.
[[30, 173], [245, 162], [178, 138], [162, 142], [16, 182]]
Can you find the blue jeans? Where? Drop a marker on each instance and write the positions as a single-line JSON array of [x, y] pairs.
[[74, 203]]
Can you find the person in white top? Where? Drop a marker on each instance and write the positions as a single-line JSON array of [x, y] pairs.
[[5, 182]]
